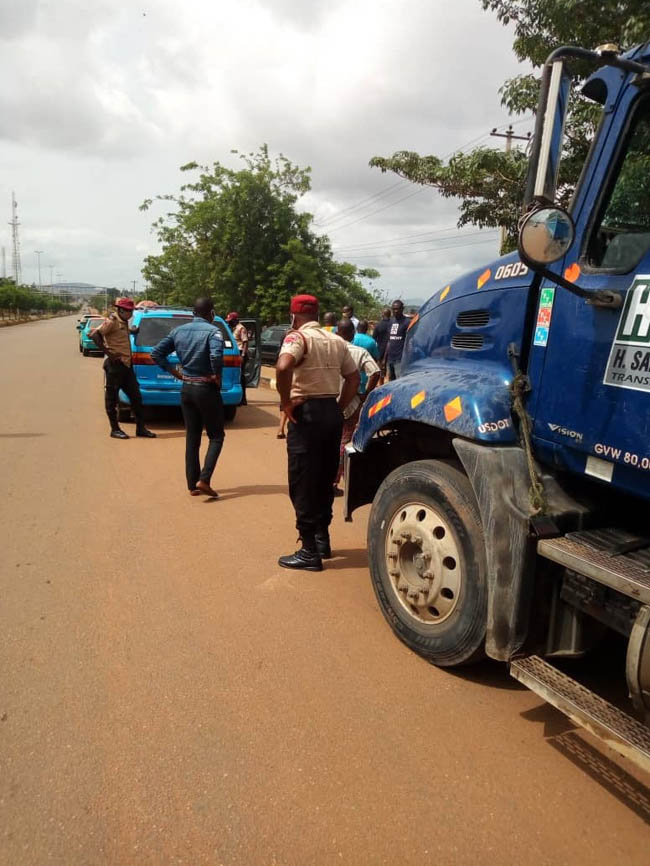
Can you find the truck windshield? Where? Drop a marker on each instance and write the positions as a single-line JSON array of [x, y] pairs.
[[621, 235]]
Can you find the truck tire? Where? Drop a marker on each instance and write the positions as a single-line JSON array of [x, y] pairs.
[[229, 413], [427, 561]]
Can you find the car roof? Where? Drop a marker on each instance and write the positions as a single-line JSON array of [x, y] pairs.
[[169, 313], [163, 312]]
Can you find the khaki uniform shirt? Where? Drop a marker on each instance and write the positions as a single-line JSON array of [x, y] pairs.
[[241, 338], [116, 337], [365, 363], [321, 359]]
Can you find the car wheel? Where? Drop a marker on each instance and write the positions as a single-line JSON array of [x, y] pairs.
[[86, 352], [229, 413], [427, 561], [80, 346]]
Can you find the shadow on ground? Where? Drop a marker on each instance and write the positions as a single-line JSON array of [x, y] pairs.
[[354, 558], [252, 490]]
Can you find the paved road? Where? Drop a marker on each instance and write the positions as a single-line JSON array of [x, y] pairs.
[[170, 696]]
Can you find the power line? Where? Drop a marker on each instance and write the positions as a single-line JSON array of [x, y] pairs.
[[430, 250], [376, 196], [379, 210], [334, 217], [378, 249], [347, 211], [403, 240]]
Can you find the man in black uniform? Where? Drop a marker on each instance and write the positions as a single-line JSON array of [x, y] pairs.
[[311, 364]]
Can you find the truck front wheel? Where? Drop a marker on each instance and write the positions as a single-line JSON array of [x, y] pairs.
[[427, 561]]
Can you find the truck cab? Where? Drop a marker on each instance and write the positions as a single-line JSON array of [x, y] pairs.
[[509, 467]]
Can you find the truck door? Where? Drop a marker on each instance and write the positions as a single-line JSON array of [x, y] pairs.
[[253, 367], [593, 411]]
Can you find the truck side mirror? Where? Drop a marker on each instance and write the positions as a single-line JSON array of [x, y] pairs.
[[546, 235]]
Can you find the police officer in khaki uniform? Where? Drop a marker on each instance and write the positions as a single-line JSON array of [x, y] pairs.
[[310, 366], [113, 338]]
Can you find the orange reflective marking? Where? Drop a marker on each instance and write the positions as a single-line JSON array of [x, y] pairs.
[[418, 398], [379, 405], [453, 409], [572, 272], [483, 278], [413, 321], [445, 292]]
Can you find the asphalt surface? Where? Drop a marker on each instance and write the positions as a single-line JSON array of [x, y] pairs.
[[169, 695]]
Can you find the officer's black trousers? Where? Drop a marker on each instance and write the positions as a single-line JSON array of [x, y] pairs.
[[313, 448], [121, 377]]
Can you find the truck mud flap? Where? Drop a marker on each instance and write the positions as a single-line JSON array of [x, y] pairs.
[[499, 477]]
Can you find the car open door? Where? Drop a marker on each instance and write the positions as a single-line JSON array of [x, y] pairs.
[[253, 366]]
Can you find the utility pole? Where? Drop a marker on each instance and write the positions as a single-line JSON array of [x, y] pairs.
[[4, 264], [51, 267], [15, 257], [509, 135], [39, 253], [134, 282]]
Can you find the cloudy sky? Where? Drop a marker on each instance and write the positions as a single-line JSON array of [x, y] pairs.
[[102, 100]]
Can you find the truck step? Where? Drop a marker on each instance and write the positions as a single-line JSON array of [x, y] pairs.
[[622, 732], [609, 556]]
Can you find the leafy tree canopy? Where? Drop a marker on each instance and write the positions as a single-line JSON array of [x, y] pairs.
[[490, 182], [237, 236]]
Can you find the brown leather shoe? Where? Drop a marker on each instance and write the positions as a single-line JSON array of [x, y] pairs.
[[204, 487]]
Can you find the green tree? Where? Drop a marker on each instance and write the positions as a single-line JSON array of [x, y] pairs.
[[489, 182], [237, 235]]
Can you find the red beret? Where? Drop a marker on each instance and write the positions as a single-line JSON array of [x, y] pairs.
[[304, 304]]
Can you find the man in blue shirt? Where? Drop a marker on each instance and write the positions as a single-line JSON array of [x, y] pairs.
[[199, 346], [362, 338]]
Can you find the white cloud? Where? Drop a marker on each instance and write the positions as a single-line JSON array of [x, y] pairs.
[[107, 99]]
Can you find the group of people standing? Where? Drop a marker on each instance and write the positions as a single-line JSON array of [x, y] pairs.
[[386, 343], [323, 374]]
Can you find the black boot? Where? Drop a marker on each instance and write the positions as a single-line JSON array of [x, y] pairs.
[[117, 433], [306, 559], [322, 538], [141, 430]]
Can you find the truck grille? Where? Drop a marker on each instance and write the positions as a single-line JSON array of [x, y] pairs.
[[467, 341], [473, 318]]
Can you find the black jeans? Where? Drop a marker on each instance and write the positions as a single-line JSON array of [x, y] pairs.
[[202, 407], [313, 450], [119, 376]]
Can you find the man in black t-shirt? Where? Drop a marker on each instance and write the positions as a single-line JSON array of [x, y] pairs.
[[380, 333], [397, 327]]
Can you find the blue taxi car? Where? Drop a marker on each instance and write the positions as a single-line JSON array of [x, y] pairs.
[[89, 323], [159, 388]]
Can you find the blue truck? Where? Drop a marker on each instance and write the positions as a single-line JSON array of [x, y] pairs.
[[509, 467]]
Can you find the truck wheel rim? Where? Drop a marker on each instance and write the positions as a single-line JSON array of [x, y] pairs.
[[423, 562]]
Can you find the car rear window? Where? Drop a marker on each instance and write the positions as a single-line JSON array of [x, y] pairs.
[[153, 329], [94, 323]]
